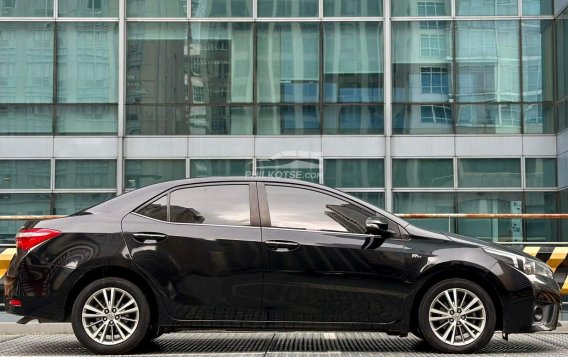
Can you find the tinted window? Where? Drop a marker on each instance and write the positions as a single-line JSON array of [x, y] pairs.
[[157, 209], [227, 205], [305, 209]]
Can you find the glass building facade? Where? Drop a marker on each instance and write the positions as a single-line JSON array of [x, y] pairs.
[[418, 106]]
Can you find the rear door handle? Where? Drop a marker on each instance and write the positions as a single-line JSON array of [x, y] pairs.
[[149, 238], [281, 245]]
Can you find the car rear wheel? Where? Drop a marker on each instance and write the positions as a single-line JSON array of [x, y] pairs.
[[111, 316], [457, 316]]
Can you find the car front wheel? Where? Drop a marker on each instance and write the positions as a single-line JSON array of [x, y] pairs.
[[110, 316], [457, 316]]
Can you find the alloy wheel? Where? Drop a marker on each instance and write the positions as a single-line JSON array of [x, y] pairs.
[[457, 316], [110, 316]]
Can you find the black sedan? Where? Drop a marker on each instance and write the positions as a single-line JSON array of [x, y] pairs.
[[254, 254]]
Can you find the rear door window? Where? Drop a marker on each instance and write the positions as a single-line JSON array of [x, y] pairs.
[[157, 209], [219, 205]]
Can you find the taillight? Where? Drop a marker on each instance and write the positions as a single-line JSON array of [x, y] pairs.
[[15, 302], [26, 239]]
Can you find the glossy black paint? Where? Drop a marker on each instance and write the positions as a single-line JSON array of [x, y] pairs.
[[261, 277], [202, 273]]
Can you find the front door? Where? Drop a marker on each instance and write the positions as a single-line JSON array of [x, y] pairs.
[[199, 245], [321, 265]]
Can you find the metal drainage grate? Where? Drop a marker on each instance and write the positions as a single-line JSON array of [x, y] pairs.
[[285, 344]]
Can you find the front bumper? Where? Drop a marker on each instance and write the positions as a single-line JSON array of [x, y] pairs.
[[529, 303], [549, 319]]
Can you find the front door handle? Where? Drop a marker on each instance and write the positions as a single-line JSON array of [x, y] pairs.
[[281, 245], [149, 238]]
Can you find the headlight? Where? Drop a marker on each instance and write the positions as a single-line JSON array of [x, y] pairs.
[[527, 265]]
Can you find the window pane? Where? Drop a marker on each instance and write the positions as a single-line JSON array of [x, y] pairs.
[[421, 8], [489, 119], [85, 174], [156, 8], [18, 174], [69, 203], [305, 209], [88, 8], [423, 173], [156, 120], [26, 62], [354, 173], [220, 56], [353, 65], [87, 62], [25, 119], [423, 119], [538, 118], [20, 204], [352, 120], [561, 74], [221, 8], [537, 7], [562, 109], [540, 172], [541, 230], [497, 80], [422, 61], [87, 119], [374, 198], [140, 173], [220, 167], [503, 230], [157, 209], [288, 120], [156, 63], [486, 7], [26, 8], [426, 202], [301, 169], [538, 68], [226, 205], [287, 8], [220, 121], [288, 62], [489, 173], [352, 8]]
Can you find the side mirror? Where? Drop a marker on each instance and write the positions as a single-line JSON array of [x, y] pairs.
[[374, 225]]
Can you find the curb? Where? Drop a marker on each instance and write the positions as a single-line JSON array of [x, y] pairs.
[[35, 328]]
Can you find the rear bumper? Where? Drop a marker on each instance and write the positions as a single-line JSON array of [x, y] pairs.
[[35, 285]]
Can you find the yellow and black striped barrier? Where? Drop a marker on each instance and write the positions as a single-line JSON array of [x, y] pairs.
[[555, 257], [557, 260], [6, 256]]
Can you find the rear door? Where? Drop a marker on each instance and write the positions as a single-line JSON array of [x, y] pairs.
[[201, 246], [321, 265]]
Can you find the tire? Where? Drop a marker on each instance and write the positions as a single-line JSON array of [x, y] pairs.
[[439, 319], [152, 334], [416, 332], [124, 331]]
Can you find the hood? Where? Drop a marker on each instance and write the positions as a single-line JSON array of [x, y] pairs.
[[482, 243]]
